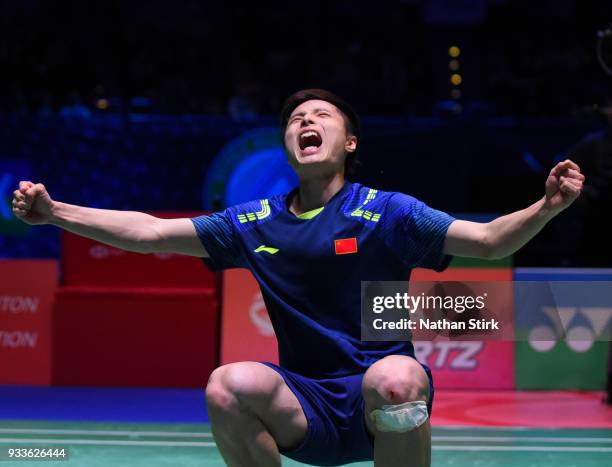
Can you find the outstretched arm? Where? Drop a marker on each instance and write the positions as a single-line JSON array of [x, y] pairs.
[[132, 231], [507, 234]]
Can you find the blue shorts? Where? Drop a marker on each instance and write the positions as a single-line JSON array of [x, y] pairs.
[[334, 408]]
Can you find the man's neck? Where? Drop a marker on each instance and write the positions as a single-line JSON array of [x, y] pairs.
[[314, 193]]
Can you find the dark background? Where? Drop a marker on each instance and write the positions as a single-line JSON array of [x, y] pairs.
[[388, 58], [125, 104]]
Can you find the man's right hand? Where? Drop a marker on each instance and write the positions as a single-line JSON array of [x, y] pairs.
[[32, 204]]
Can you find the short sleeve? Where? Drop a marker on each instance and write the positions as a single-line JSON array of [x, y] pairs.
[[416, 232], [218, 235]]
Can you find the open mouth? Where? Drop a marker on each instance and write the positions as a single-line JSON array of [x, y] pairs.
[[310, 141]]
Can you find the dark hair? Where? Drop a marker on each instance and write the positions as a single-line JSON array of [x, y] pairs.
[[351, 119]]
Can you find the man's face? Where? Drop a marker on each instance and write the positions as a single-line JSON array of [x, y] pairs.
[[316, 139]]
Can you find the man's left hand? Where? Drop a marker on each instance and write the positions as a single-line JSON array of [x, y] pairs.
[[563, 185]]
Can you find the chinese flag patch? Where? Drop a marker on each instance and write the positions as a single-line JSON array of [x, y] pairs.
[[345, 246]]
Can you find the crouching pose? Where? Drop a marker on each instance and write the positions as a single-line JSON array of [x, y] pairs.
[[334, 398]]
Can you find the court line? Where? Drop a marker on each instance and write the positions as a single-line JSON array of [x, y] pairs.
[[534, 439], [51, 431], [522, 448], [102, 442], [517, 428], [108, 442], [191, 434]]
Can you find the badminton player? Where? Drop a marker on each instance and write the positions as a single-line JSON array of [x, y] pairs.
[[333, 399]]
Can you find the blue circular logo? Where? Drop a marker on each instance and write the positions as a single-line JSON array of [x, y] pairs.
[[251, 166]]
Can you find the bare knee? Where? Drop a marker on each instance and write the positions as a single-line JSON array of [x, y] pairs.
[[236, 386], [219, 396], [393, 380]]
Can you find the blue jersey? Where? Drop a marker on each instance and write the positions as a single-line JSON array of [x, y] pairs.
[[310, 270]]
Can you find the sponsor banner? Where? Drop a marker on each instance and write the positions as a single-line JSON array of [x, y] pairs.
[[473, 364], [246, 330], [468, 364], [86, 262], [578, 312], [134, 337], [27, 290], [247, 334], [563, 328]]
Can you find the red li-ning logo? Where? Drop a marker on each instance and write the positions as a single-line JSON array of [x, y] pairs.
[[345, 246]]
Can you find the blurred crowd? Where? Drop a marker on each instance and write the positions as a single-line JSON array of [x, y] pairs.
[[516, 58]]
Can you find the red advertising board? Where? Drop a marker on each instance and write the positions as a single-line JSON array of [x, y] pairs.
[[247, 334], [246, 330], [27, 290], [86, 262], [134, 337], [469, 364]]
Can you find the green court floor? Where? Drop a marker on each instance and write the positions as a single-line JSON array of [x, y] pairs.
[[176, 445]]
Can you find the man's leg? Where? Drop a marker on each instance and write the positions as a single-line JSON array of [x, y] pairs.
[[253, 413], [390, 381]]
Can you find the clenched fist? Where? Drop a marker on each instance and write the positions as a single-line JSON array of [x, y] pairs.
[[563, 185], [32, 204]]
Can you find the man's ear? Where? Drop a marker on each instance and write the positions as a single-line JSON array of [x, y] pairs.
[[351, 144]]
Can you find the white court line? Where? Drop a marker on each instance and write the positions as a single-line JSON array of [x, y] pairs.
[[522, 448], [102, 442], [512, 428], [534, 439], [109, 442], [192, 434], [44, 431]]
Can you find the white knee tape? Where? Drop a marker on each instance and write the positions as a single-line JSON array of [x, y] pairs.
[[401, 418]]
